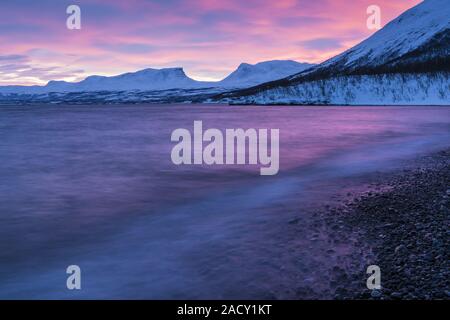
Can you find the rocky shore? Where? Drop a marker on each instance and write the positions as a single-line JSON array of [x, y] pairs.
[[401, 225]]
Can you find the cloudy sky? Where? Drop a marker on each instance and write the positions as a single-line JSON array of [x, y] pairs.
[[208, 38]]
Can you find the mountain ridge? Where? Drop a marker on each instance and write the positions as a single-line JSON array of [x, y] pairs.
[[150, 79]]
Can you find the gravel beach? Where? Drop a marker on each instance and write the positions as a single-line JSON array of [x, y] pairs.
[[401, 225]]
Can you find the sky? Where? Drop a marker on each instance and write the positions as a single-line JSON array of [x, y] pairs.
[[208, 38]]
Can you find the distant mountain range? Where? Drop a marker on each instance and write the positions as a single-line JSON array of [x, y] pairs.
[[246, 75], [405, 63]]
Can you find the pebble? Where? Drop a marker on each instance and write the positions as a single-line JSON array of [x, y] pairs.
[[406, 227], [376, 294]]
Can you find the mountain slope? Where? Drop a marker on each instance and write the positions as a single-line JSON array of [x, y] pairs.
[[379, 89], [251, 75], [418, 41], [412, 30]]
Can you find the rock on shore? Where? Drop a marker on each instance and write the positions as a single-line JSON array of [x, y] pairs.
[[404, 229]]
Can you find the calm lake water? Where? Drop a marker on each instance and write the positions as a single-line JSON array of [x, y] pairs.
[[94, 186]]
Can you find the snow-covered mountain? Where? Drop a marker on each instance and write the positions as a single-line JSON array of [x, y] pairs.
[[251, 75], [147, 79], [168, 79], [144, 80], [418, 35], [415, 43]]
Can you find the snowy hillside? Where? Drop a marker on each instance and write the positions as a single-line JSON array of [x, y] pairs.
[[393, 89], [416, 44], [410, 31], [248, 75]]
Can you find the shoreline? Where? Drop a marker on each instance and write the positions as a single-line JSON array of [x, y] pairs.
[[401, 225]]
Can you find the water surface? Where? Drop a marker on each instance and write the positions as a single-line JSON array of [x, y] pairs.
[[94, 186]]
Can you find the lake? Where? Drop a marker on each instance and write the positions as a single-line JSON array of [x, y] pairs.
[[95, 186]]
